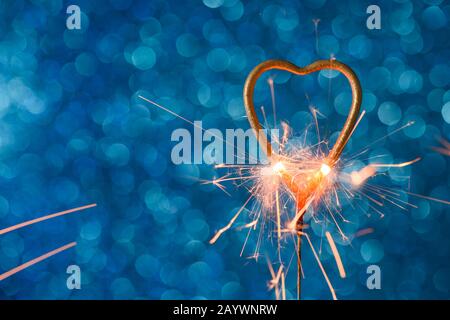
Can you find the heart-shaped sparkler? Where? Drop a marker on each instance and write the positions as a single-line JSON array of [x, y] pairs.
[[306, 188]]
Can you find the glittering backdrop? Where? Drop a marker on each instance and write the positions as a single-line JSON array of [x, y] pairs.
[[73, 132]]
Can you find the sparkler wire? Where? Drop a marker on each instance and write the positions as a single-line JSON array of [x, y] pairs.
[[249, 89]]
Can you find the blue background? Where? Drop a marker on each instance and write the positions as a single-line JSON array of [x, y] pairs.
[[73, 132]]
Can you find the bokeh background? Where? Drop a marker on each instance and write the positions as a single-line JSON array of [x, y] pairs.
[[73, 132]]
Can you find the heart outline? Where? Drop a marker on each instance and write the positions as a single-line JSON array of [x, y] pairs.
[[319, 65]]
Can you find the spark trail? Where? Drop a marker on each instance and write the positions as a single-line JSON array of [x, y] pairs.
[[36, 260], [47, 217]]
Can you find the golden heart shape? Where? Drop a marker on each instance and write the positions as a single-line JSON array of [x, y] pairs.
[[302, 192]]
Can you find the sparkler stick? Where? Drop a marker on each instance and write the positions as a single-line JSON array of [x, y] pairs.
[[304, 192]]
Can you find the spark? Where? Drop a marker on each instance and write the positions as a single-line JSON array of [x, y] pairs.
[[428, 198], [396, 165], [445, 149], [230, 223], [293, 224], [272, 94], [36, 260], [47, 217], [316, 33], [314, 113], [195, 125], [367, 147], [249, 225], [357, 178], [325, 275], [336, 254], [325, 169], [218, 182], [274, 283], [364, 232], [361, 116], [277, 199]]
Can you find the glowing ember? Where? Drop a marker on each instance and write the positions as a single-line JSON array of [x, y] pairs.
[[325, 169], [278, 167]]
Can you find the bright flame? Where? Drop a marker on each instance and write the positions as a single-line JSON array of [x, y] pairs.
[[278, 167], [325, 169]]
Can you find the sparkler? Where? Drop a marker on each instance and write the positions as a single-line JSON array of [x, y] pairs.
[[306, 177], [305, 189]]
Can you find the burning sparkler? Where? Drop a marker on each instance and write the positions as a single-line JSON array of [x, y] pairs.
[[309, 177], [303, 187], [302, 178]]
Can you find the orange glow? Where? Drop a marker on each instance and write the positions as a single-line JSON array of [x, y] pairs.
[[359, 177], [325, 275], [278, 167]]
